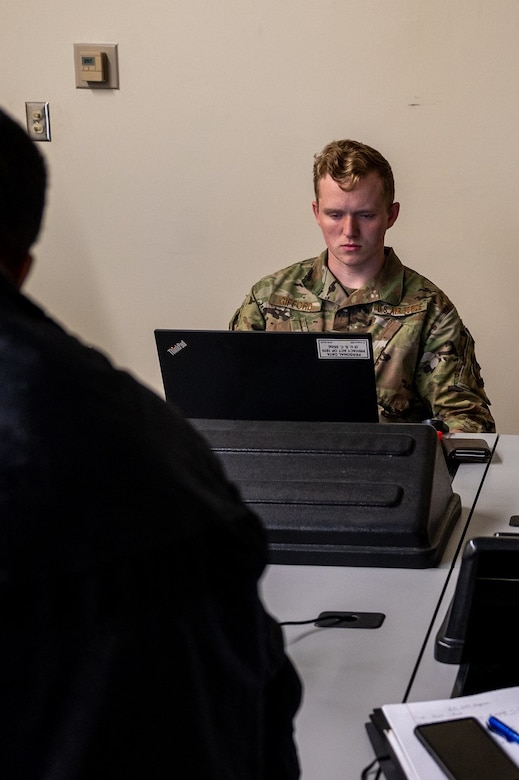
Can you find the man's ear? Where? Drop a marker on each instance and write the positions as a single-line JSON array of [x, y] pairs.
[[393, 214], [23, 269], [17, 270]]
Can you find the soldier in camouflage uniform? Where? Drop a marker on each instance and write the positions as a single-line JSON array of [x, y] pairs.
[[425, 361]]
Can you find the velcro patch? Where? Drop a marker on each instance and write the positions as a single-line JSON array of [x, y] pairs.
[[386, 310], [298, 304]]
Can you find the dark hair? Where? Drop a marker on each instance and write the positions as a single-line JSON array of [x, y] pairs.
[[23, 182], [349, 161]]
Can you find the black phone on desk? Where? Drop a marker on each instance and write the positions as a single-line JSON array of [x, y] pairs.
[[465, 750]]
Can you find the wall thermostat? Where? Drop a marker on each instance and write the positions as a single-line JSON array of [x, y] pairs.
[[92, 65], [96, 66]]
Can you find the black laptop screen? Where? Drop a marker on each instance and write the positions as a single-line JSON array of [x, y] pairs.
[[265, 375]]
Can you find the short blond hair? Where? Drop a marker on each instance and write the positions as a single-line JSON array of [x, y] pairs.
[[349, 161]]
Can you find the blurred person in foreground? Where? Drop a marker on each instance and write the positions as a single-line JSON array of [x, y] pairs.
[[134, 643]]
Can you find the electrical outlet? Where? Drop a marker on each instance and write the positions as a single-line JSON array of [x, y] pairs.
[[38, 123], [350, 620]]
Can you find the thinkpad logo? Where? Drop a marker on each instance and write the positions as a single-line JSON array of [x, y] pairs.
[[177, 347]]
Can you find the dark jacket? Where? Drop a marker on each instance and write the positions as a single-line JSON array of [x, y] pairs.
[[133, 643]]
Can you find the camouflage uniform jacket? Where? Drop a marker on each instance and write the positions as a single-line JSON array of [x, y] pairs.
[[425, 361]]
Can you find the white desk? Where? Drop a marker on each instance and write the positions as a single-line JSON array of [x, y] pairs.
[[346, 673]]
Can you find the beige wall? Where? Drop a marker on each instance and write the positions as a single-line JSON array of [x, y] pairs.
[[172, 195]]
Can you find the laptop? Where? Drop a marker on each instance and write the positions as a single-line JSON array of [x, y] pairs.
[[269, 375]]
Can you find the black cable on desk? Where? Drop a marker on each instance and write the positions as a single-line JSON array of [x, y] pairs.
[[332, 621], [339, 619], [373, 767]]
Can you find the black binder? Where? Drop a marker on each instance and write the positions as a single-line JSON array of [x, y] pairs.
[[387, 761]]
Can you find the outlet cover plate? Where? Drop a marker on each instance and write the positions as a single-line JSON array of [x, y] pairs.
[[38, 121]]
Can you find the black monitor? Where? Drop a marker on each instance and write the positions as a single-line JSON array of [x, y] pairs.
[[478, 632]]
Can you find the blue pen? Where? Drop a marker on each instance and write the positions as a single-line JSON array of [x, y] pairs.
[[498, 727]]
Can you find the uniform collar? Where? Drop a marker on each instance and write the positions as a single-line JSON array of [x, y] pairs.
[[386, 286]]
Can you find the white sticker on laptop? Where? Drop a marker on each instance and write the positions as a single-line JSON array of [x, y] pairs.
[[341, 349]]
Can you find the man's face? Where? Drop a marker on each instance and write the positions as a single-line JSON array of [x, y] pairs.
[[354, 224]]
